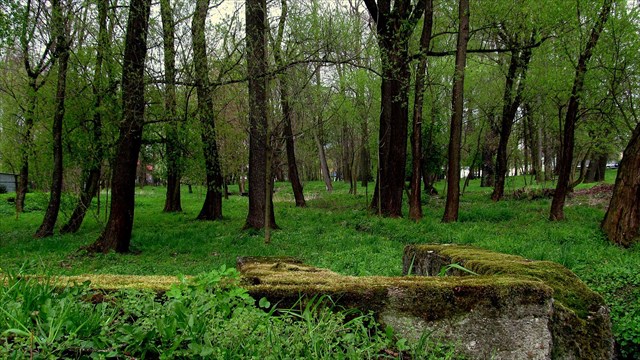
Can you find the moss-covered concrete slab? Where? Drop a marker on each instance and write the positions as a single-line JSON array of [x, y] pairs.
[[580, 325], [511, 308]]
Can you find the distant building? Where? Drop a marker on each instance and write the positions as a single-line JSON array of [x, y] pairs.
[[8, 181]]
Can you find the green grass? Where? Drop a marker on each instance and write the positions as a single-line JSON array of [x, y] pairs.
[[335, 231]]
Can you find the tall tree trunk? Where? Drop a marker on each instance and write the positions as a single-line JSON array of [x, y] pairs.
[[415, 205], [33, 73], [516, 77], [62, 54], [622, 221], [566, 158], [26, 147], [394, 28], [117, 233], [453, 173], [534, 141], [95, 162], [319, 138], [597, 168], [489, 149], [212, 207], [172, 201], [287, 112], [258, 123]]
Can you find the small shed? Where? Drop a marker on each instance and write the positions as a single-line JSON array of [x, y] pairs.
[[8, 181]]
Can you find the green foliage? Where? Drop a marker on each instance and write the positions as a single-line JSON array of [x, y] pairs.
[[171, 244], [209, 317], [620, 287]]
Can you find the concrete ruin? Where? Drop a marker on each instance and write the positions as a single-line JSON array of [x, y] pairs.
[[493, 306]]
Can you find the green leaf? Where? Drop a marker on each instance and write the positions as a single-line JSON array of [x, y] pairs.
[[264, 303]]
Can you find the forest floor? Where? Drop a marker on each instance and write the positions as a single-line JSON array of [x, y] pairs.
[[337, 231]]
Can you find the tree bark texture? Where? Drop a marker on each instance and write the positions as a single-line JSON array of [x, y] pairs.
[[117, 233], [455, 139], [597, 168], [258, 123], [566, 156], [415, 204], [172, 200], [62, 55], [394, 27], [516, 77], [212, 207], [95, 162], [287, 113], [622, 221]]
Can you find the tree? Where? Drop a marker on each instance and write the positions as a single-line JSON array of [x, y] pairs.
[[172, 200], [60, 28], [566, 158], [394, 26], [457, 104], [260, 204], [94, 167], [212, 207], [415, 206], [117, 233], [512, 99], [35, 68], [287, 112], [622, 221]]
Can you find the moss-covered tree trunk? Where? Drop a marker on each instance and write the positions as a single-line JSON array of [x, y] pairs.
[[622, 221]]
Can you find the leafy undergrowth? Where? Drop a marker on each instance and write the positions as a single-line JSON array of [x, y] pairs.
[[336, 231], [207, 317]]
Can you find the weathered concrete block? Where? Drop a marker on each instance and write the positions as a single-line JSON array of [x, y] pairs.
[[579, 322], [503, 313]]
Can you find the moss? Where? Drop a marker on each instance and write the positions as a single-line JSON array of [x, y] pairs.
[[423, 297], [115, 282], [580, 323], [568, 289]]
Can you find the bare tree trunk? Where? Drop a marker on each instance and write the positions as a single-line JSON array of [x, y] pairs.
[[26, 147], [319, 138], [394, 28], [515, 78], [453, 173], [287, 113], [566, 158], [622, 221], [62, 55], [212, 207], [258, 123], [95, 163], [172, 201], [117, 233], [415, 205]]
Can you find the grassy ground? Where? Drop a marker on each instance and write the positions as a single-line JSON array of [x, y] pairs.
[[335, 231]]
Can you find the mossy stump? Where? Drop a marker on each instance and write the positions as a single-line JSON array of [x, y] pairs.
[[492, 315], [579, 321]]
